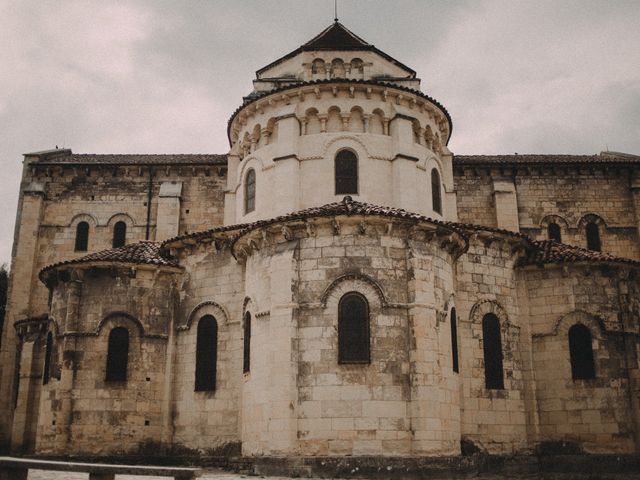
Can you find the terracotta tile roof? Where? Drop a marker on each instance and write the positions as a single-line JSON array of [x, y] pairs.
[[347, 206], [144, 252], [603, 157], [53, 156], [548, 251]]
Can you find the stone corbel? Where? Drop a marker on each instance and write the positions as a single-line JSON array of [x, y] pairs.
[[335, 225], [287, 233]]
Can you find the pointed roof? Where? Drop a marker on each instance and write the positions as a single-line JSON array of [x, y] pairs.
[[337, 37]]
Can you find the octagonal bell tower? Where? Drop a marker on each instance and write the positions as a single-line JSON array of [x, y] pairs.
[[338, 117]]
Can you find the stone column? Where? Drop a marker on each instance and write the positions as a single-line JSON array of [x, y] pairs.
[[21, 284], [506, 201], [68, 368], [25, 419], [168, 220], [323, 122], [635, 192]]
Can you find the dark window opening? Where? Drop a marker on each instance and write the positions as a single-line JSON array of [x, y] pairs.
[[82, 237], [246, 362], [454, 340], [119, 234], [353, 329], [553, 231], [117, 355], [346, 170], [250, 192], [581, 353], [593, 237], [206, 354], [492, 346], [48, 352], [436, 194]]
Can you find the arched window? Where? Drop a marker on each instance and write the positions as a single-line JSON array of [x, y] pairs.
[[581, 353], [117, 355], [346, 170], [492, 346], [250, 191], [593, 236], [82, 237], [553, 231], [454, 340], [318, 66], [246, 358], [119, 234], [206, 354], [48, 352], [353, 329], [436, 195]]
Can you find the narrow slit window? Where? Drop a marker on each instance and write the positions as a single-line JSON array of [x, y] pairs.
[[206, 354], [553, 231], [117, 355], [581, 353], [492, 346], [436, 194], [454, 340], [593, 237], [119, 234], [82, 237], [346, 172], [353, 329], [250, 191], [246, 363], [48, 352]]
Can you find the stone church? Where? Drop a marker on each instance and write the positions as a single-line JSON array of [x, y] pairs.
[[338, 284]]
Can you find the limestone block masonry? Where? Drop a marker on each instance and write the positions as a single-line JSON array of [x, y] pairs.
[[339, 284]]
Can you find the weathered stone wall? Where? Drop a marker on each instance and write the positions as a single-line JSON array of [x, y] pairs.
[[84, 413], [597, 414], [213, 284], [486, 283], [564, 195]]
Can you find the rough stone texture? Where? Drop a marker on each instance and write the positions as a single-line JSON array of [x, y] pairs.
[[413, 266]]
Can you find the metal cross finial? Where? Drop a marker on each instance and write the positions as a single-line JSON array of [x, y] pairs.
[[335, 10]]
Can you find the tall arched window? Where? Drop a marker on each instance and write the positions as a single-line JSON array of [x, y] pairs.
[[82, 237], [119, 234], [353, 329], [206, 354], [593, 236], [117, 355], [48, 352], [492, 346], [250, 191], [454, 340], [581, 353], [246, 358], [436, 194], [553, 231], [346, 170]]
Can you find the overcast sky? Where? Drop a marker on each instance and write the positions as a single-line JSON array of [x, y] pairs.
[[164, 76]]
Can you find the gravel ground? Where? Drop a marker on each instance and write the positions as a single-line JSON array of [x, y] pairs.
[[210, 475]]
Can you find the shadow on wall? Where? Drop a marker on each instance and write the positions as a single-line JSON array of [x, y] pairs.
[[4, 285]]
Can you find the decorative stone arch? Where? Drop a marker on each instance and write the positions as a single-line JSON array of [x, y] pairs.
[[562, 325], [356, 119], [430, 162], [121, 217], [84, 217], [591, 218], [450, 303], [117, 315], [544, 223], [482, 307], [54, 326], [206, 308], [252, 161], [376, 122], [345, 142], [334, 123], [338, 69], [354, 282]]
